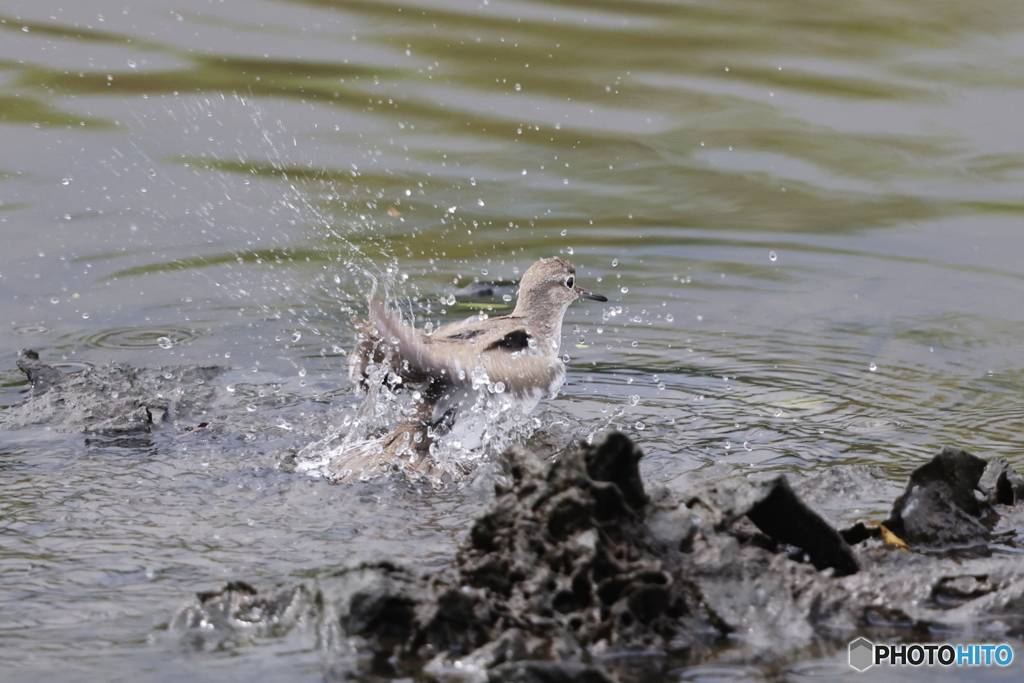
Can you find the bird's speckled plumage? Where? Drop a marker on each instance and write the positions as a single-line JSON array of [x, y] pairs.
[[519, 351]]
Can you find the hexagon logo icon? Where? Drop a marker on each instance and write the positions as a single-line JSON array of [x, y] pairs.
[[862, 654]]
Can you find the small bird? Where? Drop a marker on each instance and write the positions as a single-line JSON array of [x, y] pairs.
[[514, 357]]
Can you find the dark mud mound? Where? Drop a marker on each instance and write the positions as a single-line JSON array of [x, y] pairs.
[[577, 573], [574, 560]]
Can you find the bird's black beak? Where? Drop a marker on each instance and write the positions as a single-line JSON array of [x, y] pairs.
[[584, 294]]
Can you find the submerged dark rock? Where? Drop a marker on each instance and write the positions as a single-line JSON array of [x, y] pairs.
[[576, 570]]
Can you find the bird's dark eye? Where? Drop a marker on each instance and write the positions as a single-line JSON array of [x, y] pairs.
[[570, 281]]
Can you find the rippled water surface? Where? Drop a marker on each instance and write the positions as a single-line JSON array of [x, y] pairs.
[[807, 217]]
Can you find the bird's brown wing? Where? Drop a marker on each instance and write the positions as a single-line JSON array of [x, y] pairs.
[[506, 358]]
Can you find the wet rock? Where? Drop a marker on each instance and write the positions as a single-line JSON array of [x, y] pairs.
[[770, 503], [1000, 484], [940, 511], [112, 400]]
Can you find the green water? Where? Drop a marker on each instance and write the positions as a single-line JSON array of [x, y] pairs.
[[807, 216]]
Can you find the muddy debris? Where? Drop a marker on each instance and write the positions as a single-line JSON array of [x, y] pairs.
[[577, 572], [112, 400]]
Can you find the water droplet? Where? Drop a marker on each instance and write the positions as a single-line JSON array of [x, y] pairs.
[[747, 446], [296, 337], [772, 256], [65, 181], [164, 342], [634, 400], [641, 426], [669, 317], [872, 367], [302, 372], [54, 300], [518, 87], [480, 202], [728, 445], [625, 290], [85, 316], [634, 344], [615, 262]]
